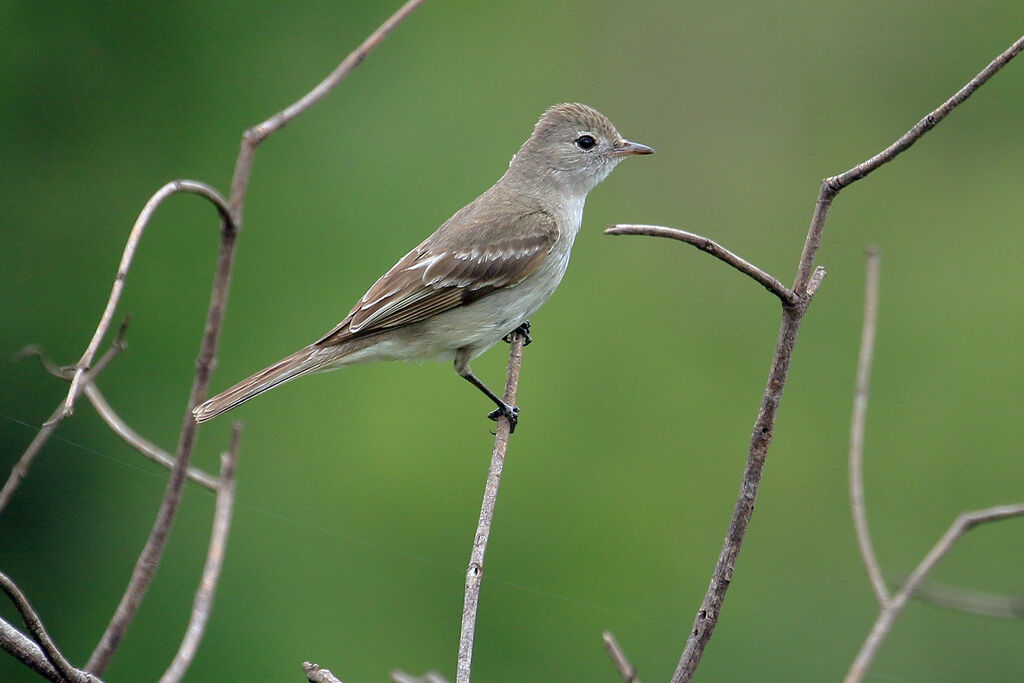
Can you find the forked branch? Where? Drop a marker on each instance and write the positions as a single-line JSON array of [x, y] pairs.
[[887, 615], [115, 421], [20, 469], [38, 633], [890, 607], [795, 300]]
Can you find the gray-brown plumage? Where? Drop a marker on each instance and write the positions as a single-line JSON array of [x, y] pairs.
[[480, 275]]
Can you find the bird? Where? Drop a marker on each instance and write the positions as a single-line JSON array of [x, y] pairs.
[[480, 275]]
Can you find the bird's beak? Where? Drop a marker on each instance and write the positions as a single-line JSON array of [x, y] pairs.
[[625, 148]]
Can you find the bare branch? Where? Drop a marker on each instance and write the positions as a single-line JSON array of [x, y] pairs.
[[20, 469], [171, 188], [231, 226], [474, 574], [203, 602], [279, 120], [975, 602], [619, 659], [769, 282], [116, 422], [24, 649], [141, 443], [860, 409], [830, 187], [314, 674], [887, 615], [808, 278], [38, 633]]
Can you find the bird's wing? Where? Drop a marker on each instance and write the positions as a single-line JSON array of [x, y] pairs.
[[444, 272]]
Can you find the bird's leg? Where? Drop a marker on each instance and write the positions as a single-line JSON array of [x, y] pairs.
[[524, 330], [509, 411]]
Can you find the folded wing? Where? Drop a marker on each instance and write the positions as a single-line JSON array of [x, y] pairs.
[[451, 268]]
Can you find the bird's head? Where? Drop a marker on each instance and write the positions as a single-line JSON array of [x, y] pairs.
[[575, 145]]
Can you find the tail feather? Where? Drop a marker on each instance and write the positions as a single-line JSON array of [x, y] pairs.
[[299, 363]]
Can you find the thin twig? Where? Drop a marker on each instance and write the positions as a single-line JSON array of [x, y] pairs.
[[769, 282], [231, 226], [808, 278], [141, 443], [887, 615], [116, 422], [475, 572], [203, 603], [830, 187], [285, 116], [171, 188], [857, 422], [38, 633], [20, 469], [995, 605], [619, 659], [315, 674]]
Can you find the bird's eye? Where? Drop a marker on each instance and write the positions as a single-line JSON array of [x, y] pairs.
[[585, 142]]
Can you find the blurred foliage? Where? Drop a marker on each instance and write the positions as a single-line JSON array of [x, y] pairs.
[[359, 490]]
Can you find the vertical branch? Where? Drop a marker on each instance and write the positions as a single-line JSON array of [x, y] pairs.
[[474, 574], [710, 609], [203, 603], [860, 409]]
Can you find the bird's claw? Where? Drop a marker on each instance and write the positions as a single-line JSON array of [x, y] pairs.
[[511, 412], [524, 330]]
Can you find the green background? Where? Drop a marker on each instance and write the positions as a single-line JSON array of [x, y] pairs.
[[359, 490]]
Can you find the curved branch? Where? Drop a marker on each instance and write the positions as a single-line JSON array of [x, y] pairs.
[[475, 572], [35, 628], [139, 442], [857, 422], [769, 282], [171, 188]]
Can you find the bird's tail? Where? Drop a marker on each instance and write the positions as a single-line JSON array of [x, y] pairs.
[[301, 362]]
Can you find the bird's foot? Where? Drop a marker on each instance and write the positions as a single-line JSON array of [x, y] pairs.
[[524, 330], [511, 412]]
